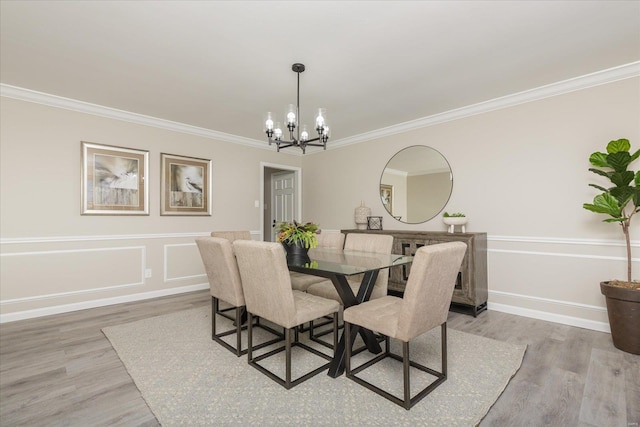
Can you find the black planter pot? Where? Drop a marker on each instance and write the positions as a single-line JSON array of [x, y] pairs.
[[296, 250], [623, 308]]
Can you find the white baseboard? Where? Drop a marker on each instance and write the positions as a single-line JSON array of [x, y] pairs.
[[66, 308], [550, 317]]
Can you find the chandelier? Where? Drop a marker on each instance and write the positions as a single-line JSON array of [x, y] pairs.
[[301, 137]]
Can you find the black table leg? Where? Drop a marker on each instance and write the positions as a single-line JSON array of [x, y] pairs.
[[348, 298]]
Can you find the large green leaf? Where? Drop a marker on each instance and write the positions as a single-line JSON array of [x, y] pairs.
[[606, 204], [599, 159], [619, 161], [635, 155], [599, 172], [618, 146], [622, 194], [622, 179], [637, 179], [599, 188]]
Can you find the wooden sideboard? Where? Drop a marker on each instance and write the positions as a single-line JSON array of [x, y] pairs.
[[470, 292]]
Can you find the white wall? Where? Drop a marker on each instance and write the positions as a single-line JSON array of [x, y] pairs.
[[52, 256], [520, 174]]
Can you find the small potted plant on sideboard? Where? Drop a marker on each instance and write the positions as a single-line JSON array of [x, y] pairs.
[[457, 218], [620, 202]]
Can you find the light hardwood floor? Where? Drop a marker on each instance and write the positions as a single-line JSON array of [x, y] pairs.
[[62, 371]]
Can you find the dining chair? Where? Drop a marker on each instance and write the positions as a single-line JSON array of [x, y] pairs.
[[268, 294], [363, 242], [326, 240], [225, 284], [230, 236], [424, 306]]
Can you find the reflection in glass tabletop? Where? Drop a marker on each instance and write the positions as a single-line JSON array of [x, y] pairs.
[[344, 262]]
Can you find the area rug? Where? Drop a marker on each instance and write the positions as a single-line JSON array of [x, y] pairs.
[[188, 379]]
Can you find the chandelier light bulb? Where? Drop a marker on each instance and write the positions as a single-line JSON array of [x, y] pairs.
[[304, 135], [277, 132], [268, 122], [290, 114]]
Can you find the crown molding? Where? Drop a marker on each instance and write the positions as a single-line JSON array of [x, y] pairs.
[[36, 97], [578, 83], [610, 75]]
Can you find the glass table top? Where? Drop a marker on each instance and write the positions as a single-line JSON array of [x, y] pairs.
[[346, 262]]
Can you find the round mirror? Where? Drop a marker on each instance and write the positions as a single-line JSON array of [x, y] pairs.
[[416, 184]]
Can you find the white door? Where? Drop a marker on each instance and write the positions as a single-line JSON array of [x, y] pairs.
[[283, 199]]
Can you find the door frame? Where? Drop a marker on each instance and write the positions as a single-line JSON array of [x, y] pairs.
[[298, 193]]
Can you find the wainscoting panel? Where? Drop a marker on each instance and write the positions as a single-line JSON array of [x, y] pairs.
[[49, 275], [183, 261], [555, 279], [55, 274]]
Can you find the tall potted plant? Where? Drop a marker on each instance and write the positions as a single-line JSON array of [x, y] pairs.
[[620, 202]]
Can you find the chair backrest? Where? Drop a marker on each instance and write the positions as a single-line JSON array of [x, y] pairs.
[[378, 243], [222, 269], [429, 289], [330, 240], [266, 281], [232, 236]]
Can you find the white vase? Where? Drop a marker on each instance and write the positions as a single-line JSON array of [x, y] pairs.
[[360, 216]]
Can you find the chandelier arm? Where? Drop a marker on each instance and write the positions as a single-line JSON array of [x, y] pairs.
[[286, 144]]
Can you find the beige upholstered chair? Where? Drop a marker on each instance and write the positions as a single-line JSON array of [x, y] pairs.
[[230, 236], [268, 294], [225, 284], [330, 239], [424, 306], [377, 243], [326, 240]]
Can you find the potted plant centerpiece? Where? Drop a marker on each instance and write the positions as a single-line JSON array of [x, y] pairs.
[[297, 238], [620, 202]]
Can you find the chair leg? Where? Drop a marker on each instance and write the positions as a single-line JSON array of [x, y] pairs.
[[287, 380], [287, 350], [238, 332], [443, 340], [405, 373], [408, 402], [214, 309], [347, 360]]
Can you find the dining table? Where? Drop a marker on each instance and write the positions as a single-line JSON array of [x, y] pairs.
[[338, 265]]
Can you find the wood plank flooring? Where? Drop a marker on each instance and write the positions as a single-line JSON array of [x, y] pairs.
[[62, 371]]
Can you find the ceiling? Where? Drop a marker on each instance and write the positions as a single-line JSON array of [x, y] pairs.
[[220, 65]]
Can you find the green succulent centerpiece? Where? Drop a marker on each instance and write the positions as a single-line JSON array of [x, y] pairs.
[[298, 234], [621, 201]]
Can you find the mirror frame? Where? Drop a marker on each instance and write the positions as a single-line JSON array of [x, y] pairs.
[[386, 193]]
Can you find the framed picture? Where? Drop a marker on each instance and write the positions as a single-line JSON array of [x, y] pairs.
[[386, 195], [186, 185], [114, 180]]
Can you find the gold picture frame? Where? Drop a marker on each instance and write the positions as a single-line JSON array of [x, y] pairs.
[[185, 185], [386, 196], [113, 180]]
